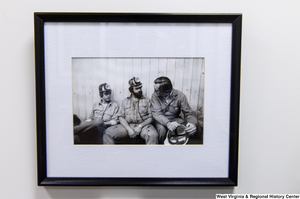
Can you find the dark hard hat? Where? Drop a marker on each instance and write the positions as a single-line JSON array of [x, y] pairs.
[[162, 79], [104, 87], [135, 82]]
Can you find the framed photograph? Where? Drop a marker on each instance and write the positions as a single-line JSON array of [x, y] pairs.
[[137, 99]]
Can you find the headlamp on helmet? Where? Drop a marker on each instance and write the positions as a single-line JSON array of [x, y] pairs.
[[104, 89], [135, 82]]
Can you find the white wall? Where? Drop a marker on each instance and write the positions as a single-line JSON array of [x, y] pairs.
[[270, 92], [85, 93]]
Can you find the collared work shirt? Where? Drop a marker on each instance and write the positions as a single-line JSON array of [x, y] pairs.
[[135, 110], [165, 110], [106, 112]]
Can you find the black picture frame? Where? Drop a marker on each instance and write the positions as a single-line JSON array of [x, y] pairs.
[[41, 18]]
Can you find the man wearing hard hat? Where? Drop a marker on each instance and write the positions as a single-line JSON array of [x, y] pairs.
[[167, 104], [135, 119], [103, 116]]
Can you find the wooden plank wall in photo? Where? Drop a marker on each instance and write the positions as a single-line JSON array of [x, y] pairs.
[[186, 74]]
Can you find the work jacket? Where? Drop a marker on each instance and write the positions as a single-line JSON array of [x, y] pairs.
[[107, 112], [164, 110], [135, 110]]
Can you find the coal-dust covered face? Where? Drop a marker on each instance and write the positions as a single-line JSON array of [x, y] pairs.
[[106, 96], [137, 92], [159, 90], [162, 89]]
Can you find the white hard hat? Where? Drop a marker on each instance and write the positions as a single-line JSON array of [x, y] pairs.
[[177, 137]]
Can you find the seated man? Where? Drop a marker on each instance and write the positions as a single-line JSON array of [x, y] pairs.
[[135, 118], [167, 104], [103, 116]]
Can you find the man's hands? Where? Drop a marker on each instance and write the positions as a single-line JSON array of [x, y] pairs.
[[191, 129], [132, 133], [135, 131], [172, 125]]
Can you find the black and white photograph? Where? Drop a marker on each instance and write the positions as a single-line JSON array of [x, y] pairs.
[[133, 100], [125, 94]]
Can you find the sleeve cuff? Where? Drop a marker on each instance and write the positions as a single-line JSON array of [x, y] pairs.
[[113, 122]]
